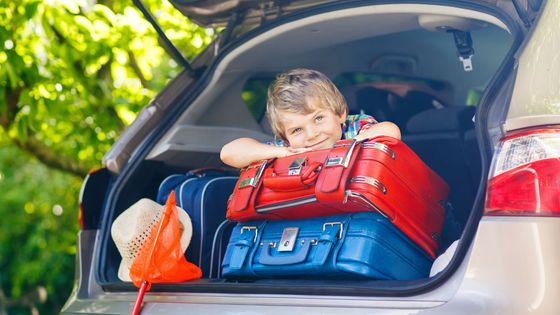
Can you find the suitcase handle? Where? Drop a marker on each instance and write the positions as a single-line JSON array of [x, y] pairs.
[[267, 259], [307, 177]]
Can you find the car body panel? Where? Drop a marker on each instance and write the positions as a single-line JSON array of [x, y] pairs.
[[217, 13], [515, 262], [537, 88], [485, 283]]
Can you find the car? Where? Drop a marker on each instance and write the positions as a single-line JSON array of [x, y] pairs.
[[473, 86]]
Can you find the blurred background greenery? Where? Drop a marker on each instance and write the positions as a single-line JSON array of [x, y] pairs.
[[73, 75]]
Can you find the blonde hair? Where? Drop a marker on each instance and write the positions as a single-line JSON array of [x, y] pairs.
[[292, 90]]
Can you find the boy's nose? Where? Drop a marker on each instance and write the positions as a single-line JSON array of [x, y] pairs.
[[312, 133]]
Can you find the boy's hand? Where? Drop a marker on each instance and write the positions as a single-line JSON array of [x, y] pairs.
[[292, 151], [243, 151], [384, 128]]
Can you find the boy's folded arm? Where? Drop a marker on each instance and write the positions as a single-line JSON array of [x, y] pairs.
[[244, 151], [384, 128]]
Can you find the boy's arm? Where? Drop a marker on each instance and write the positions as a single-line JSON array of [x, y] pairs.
[[384, 128], [244, 151]]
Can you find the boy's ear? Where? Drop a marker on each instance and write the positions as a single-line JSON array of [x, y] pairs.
[[343, 117]]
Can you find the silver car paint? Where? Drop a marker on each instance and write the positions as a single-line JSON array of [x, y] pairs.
[[536, 95], [512, 268]]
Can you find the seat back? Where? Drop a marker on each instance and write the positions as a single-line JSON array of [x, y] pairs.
[[371, 101], [438, 137]]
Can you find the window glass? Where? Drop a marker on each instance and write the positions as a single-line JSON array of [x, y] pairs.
[[397, 84], [254, 95], [255, 90]]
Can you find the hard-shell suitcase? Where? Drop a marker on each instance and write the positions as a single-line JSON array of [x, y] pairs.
[[203, 195], [382, 174], [352, 246]]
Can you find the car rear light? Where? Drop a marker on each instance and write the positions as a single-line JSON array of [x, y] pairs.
[[81, 219], [524, 179]]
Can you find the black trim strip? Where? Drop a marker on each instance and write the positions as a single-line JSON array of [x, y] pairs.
[[164, 37]]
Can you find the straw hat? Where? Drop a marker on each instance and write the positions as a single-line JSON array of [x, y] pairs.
[[131, 228]]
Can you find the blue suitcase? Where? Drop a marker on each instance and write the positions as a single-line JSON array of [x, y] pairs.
[[353, 246], [203, 195]]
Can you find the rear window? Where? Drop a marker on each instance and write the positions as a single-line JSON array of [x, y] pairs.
[[254, 95], [254, 92], [400, 85]]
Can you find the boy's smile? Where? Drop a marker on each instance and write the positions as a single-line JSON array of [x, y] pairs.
[[319, 129]]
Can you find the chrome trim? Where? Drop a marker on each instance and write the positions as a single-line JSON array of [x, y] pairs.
[[253, 181], [356, 195], [288, 239], [381, 147], [286, 204], [335, 161], [247, 182], [333, 224], [296, 165], [250, 228], [370, 181]]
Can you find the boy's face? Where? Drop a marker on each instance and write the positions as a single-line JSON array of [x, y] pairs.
[[319, 129]]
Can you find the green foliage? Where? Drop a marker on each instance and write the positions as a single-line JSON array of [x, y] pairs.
[[73, 75], [39, 227], [81, 72]]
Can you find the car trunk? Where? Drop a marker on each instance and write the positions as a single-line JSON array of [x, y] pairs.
[[403, 48]]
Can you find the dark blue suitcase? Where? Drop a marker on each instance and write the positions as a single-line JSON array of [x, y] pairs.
[[204, 197], [353, 246]]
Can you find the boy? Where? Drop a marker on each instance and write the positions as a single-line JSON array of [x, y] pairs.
[[307, 112]]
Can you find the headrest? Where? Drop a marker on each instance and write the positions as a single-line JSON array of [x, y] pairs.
[[349, 94], [369, 100], [453, 118]]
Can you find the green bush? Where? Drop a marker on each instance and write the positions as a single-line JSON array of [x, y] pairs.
[[38, 207]]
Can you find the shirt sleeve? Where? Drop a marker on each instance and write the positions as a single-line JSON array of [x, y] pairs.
[[357, 123], [366, 122]]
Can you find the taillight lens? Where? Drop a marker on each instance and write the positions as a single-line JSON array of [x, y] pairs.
[[81, 219], [525, 175]]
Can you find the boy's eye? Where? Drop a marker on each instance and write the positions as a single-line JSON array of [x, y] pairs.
[[319, 118], [296, 130]]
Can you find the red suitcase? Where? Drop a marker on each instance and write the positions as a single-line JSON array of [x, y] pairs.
[[382, 174]]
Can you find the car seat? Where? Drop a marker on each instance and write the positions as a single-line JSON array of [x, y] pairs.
[[438, 137], [369, 100]]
